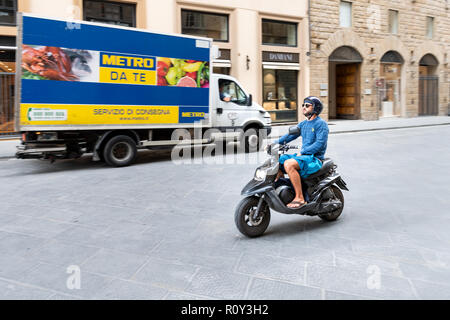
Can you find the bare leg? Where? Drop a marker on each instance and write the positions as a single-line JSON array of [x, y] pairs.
[[291, 166]]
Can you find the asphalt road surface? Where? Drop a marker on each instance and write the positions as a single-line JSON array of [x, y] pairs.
[[164, 230]]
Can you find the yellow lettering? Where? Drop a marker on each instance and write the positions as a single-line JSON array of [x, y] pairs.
[[148, 63], [120, 61], [129, 61], [138, 62], [124, 61], [108, 60]]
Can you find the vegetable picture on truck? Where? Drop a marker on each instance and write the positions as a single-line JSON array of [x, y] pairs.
[[53, 63]]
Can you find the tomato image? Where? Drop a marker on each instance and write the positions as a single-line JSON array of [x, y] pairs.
[[192, 75], [162, 81], [162, 68]]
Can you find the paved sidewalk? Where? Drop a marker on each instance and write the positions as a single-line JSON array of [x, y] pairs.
[[8, 147], [344, 126]]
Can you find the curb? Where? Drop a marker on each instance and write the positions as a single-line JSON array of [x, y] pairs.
[[381, 129]]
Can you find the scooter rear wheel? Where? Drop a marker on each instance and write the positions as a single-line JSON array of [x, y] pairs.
[[333, 215], [246, 223]]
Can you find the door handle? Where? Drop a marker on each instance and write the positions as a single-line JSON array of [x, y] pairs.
[[219, 110]]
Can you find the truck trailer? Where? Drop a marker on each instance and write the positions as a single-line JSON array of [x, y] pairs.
[[84, 87]]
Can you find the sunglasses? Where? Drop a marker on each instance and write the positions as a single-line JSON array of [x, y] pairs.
[[306, 105]]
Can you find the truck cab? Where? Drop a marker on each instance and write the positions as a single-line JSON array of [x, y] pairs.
[[238, 115]]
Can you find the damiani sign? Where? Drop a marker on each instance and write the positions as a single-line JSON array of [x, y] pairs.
[[280, 57]]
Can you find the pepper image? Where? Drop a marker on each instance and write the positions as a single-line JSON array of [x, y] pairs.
[[171, 76], [199, 73], [192, 67]]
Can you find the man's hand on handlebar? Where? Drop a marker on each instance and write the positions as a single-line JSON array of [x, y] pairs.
[[270, 147]]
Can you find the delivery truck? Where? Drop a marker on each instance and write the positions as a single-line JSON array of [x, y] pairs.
[[85, 87]]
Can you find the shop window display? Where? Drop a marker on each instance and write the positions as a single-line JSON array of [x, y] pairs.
[[280, 94]]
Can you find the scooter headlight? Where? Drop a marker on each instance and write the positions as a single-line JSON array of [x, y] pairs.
[[260, 174]]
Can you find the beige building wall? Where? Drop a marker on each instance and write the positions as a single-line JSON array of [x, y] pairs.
[[370, 36], [245, 37]]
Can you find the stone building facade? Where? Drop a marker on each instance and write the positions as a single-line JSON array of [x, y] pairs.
[[376, 58]]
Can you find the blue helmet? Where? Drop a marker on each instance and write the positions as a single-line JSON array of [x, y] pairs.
[[317, 104]]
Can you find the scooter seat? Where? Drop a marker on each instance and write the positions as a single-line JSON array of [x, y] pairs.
[[327, 164]]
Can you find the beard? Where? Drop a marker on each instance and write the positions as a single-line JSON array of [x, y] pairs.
[[308, 114]]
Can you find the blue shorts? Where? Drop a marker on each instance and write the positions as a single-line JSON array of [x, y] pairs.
[[308, 164]]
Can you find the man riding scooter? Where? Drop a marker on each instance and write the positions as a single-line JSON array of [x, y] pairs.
[[314, 131], [321, 183]]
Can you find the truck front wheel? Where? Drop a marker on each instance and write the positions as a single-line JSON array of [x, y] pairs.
[[120, 151], [251, 140]]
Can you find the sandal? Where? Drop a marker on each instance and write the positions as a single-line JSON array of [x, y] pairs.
[[297, 204]]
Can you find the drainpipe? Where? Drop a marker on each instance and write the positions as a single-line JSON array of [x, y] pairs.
[[309, 27]]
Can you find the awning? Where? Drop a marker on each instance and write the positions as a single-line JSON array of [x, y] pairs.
[[7, 48], [281, 65], [222, 63]]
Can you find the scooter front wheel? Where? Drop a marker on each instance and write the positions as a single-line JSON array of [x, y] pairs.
[[247, 222]]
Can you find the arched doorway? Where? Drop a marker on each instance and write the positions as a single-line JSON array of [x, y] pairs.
[[428, 86], [344, 80], [389, 89]]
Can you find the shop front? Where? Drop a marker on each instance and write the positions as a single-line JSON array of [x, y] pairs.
[[390, 84], [428, 86], [222, 64], [7, 81], [280, 85]]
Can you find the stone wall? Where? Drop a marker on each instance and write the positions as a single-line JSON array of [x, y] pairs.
[[370, 37]]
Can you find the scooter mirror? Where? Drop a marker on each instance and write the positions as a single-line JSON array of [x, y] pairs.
[[294, 130]]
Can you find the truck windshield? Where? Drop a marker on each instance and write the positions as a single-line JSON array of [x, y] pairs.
[[229, 88]]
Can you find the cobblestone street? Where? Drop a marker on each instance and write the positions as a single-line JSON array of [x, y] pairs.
[[160, 230]]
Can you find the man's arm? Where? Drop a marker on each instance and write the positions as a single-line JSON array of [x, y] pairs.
[[321, 140], [290, 137]]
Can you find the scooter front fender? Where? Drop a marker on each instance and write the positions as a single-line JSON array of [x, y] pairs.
[[256, 187]]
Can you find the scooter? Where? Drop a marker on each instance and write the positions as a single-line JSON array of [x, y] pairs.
[[321, 190]]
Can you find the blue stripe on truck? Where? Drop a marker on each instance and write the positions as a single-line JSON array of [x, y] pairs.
[[51, 91], [39, 31]]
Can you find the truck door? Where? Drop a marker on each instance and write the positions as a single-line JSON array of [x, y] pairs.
[[232, 105]]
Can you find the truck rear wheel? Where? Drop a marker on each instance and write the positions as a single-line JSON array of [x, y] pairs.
[[120, 151]]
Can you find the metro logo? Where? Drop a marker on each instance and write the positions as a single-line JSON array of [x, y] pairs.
[[127, 61]]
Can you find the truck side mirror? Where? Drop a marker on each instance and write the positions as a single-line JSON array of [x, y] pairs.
[[249, 101], [294, 130]]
